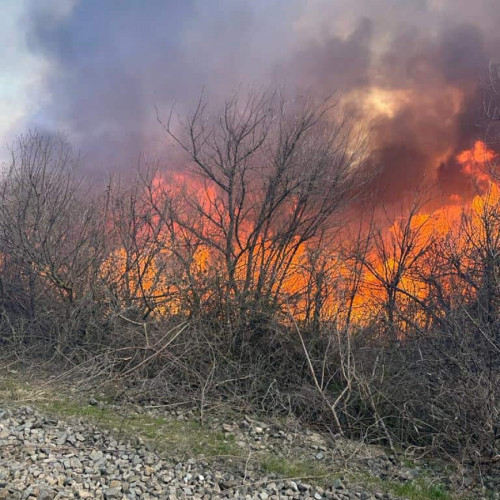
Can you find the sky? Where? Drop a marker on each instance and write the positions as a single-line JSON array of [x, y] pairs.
[[96, 70], [23, 73]]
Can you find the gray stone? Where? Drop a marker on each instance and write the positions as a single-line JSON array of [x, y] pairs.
[[96, 455], [112, 493], [45, 495], [71, 439], [338, 485]]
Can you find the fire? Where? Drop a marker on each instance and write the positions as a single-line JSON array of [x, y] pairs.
[[475, 162], [397, 262], [389, 277], [479, 154], [401, 263]]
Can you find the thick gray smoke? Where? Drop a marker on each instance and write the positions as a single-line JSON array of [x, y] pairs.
[[412, 67]]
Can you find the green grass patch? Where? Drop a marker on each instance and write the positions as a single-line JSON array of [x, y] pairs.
[[9, 390], [422, 488], [174, 438], [12, 389], [288, 467], [418, 490]]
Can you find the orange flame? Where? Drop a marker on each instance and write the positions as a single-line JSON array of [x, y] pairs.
[[475, 162], [384, 266]]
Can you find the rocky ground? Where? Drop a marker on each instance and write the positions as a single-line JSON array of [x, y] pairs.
[[82, 450]]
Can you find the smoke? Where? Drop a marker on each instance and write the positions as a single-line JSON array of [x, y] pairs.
[[411, 68]]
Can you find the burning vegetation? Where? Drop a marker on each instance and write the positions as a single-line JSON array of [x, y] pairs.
[[261, 272]]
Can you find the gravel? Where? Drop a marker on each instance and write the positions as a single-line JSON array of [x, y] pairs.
[[45, 458]]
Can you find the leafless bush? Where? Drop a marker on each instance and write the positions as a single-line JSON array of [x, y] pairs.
[[52, 239], [239, 280], [273, 175]]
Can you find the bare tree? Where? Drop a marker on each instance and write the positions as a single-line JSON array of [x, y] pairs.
[[50, 227], [395, 252], [274, 174]]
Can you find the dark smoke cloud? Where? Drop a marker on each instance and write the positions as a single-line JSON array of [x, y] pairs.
[[113, 61]]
